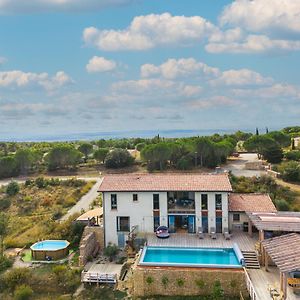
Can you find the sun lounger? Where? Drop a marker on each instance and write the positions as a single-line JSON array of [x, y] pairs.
[[213, 234], [226, 234], [200, 233]]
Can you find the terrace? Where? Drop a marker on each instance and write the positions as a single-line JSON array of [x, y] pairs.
[[244, 241]]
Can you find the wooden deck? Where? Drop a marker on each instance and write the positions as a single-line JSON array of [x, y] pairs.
[[244, 241], [261, 280]]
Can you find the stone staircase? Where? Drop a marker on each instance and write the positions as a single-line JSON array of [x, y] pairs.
[[251, 260]]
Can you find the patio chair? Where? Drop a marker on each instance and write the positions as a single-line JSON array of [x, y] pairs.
[[227, 235], [200, 233], [213, 234]]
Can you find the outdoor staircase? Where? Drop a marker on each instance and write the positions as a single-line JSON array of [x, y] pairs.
[[251, 260]]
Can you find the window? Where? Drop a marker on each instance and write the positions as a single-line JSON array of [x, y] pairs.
[[113, 201], [155, 201], [236, 217], [123, 224], [204, 202], [156, 222], [218, 201], [135, 197]]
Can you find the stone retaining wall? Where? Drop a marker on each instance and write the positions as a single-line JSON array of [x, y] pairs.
[[186, 281]]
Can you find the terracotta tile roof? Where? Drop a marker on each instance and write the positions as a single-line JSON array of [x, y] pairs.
[[166, 182], [253, 202]]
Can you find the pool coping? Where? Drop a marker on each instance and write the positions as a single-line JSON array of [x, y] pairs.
[[56, 249], [181, 265]]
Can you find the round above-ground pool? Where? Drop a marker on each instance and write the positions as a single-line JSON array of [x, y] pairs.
[[50, 250]]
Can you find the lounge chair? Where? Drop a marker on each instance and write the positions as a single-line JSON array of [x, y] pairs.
[[200, 233], [213, 234], [226, 234]]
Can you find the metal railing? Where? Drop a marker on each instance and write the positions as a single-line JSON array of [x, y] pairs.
[[250, 287]]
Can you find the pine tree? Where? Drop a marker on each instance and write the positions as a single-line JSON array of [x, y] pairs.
[[257, 133]]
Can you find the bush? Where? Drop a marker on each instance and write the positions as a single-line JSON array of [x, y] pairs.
[[180, 282], [290, 171], [41, 183], [292, 155], [217, 292], [111, 251], [16, 277], [5, 263], [23, 292], [282, 205], [149, 280], [12, 188], [5, 203], [165, 281]]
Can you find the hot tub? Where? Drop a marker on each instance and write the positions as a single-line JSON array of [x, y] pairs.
[[50, 250]]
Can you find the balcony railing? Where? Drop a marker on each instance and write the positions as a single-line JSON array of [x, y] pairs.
[[181, 205]]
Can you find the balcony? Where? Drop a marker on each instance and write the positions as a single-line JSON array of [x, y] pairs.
[[181, 202]]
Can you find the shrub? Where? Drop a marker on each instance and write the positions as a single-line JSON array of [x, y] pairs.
[[149, 280], [41, 183], [282, 205], [200, 283], [23, 292], [12, 188], [217, 292], [5, 203], [165, 281], [111, 251], [28, 182], [180, 282], [16, 277], [292, 155], [5, 263], [118, 158]]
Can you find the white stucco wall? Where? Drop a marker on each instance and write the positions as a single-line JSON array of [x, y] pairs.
[[236, 224]]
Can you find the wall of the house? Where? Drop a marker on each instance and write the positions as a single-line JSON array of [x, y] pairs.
[[141, 211], [235, 225]]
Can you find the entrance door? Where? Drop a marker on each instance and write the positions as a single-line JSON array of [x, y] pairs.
[[121, 239], [219, 224], [205, 224], [191, 224]]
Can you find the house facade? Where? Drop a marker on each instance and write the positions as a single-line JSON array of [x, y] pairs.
[[183, 202]]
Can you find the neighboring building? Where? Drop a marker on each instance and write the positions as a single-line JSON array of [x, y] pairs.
[[183, 202], [239, 204]]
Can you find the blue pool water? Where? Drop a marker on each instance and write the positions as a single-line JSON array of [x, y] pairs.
[[50, 245], [197, 257]]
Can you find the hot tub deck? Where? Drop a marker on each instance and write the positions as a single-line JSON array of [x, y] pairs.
[[244, 241]]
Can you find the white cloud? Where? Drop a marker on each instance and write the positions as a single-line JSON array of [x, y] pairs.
[[253, 44], [100, 64], [33, 6], [242, 77], [149, 31], [22, 79], [174, 68], [213, 101], [263, 15]]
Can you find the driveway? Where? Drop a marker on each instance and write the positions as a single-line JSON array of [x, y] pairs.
[[86, 200], [237, 166]]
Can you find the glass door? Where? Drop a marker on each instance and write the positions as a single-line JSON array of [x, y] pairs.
[[191, 224], [172, 224], [219, 224]]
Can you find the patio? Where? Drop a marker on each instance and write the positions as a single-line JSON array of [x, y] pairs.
[[244, 241]]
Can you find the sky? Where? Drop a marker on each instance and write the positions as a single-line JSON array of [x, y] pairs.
[[84, 66]]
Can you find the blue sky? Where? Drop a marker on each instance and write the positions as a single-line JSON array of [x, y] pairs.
[[112, 65]]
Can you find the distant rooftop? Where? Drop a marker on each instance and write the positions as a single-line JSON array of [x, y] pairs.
[[277, 221], [254, 202], [166, 182]]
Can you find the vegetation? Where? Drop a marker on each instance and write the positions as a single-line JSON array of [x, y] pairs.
[[33, 210], [118, 158], [111, 251], [283, 197]]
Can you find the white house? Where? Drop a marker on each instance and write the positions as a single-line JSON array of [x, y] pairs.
[[183, 202]]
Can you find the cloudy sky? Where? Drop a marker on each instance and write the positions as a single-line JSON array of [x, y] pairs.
[[71, 66]]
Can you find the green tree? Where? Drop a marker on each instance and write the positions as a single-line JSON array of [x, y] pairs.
[[3, 231], [24, 159], [156, 155], [203, 150], [100, 154], [8, 167], [282, 139], [12, 188], [290, 171], [273, 154], [259, 143], [86, 149], [63, 156], [118, 158]]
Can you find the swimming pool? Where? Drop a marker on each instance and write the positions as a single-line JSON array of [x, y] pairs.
[[192, 257], [53, 249]]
